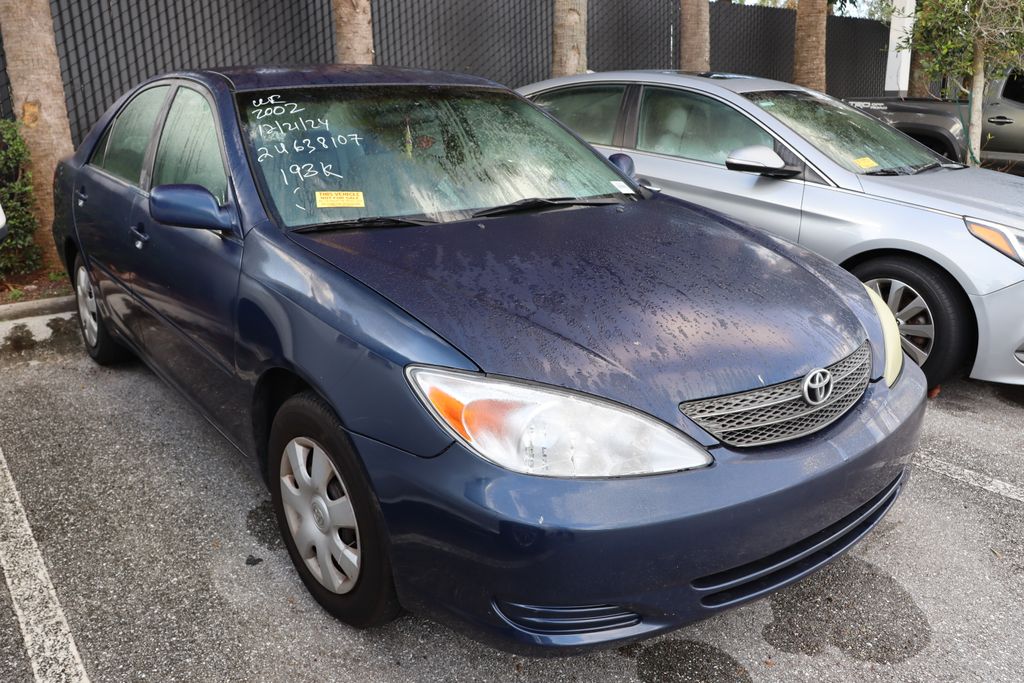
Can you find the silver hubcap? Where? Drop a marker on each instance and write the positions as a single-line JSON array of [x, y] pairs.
[[87, 306], [917, 326], [320, 515]]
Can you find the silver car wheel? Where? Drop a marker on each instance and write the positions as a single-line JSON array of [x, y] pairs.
[[87, 306], [917, 326], [320, 516]]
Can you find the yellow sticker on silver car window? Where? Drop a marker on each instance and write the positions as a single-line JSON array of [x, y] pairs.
[[866, 162], [339, 200]]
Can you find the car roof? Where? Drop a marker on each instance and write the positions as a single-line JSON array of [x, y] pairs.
[[708, 80], [272, 76]]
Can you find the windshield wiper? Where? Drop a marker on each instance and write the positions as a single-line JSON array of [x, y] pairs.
[[887, 171], [533, 203], [927, 167], [367, 222]]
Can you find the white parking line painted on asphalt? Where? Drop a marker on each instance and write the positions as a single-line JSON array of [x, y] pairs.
[[48, 641], [977, 479]]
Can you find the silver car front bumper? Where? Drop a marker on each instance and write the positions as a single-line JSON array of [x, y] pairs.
[[1000, 335]]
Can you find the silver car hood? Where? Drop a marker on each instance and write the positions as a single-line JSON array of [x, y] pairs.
[[974, 192]]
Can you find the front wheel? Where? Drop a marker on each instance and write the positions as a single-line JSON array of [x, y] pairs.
[[328, 514], [932, 313]]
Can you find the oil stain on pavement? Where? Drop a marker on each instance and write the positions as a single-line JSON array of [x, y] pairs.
[[852, 606], [684, 661], [261, 523]]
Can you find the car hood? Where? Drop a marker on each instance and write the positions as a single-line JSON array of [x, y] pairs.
[[649, 304], [974, 192]]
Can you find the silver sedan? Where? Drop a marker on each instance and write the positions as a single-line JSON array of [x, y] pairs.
[[943, 244]]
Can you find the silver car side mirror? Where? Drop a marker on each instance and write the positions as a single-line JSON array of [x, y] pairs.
[[3, 225], [761, 160]]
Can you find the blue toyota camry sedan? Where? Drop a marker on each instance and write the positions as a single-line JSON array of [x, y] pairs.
[[487, 377]]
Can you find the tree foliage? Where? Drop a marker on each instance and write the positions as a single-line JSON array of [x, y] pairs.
[[946, 33], [19, 252]]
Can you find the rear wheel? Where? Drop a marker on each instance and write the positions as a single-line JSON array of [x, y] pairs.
[[102, 347], [932, 313], [328, 514]]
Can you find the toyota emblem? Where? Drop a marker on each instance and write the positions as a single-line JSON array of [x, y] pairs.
[[817, 386]]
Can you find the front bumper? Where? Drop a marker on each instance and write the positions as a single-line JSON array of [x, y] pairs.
[[1000, 335], [551, 566]]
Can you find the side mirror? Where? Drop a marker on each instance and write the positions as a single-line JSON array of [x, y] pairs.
[[3, 225], [188, 206], [761, 160], [624, 163]]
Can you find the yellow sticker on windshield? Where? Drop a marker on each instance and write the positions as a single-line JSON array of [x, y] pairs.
[[866, 162], [339, 200]]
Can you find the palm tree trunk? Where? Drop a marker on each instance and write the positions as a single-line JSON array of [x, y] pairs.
[[34, 72], [353, 31], [695, 36], [809, 51], [569, 39]]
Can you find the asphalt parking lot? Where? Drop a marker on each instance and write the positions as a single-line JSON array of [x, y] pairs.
[[160, 559]]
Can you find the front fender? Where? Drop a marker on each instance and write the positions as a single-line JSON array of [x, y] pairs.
[[349, 343]]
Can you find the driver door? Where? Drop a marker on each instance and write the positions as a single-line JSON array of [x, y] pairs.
[[682, 140]]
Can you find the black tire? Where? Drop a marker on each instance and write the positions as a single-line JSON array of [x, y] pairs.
[[105, 350], [954, 332], [372, 600]]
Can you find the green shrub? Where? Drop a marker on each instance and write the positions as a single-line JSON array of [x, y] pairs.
[[19, 252]]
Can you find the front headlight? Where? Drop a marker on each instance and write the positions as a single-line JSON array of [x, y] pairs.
[[891, 337], [551, 432], [1002, 238]]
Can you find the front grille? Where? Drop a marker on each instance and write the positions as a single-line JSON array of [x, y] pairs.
[[789, 564], [779, 412], [565, 620]]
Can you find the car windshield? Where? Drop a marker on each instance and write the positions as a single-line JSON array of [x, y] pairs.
[[354, 154], [854, 140]]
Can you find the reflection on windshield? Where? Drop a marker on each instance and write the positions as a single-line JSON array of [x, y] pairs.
[[338, 154], [852, 139]]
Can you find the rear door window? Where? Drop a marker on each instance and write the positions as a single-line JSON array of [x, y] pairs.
[[1014, 88], [591, 110], [122, 150], [189, 151]]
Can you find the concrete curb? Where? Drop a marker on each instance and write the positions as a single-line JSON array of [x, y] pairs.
[[29, 309]]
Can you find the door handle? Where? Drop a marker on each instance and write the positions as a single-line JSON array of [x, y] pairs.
[[81, 196], [645, 182], [140, 236], [1000, 120]]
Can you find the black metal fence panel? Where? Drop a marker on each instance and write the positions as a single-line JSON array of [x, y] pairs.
[[508, 41], [632, 35], [6, 100], [752, 40], [856, 55], [108, 46]]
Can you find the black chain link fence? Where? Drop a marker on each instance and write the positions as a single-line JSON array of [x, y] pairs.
[[508, 41], [107, 46]]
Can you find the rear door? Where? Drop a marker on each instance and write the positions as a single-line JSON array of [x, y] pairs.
[[107, 190], [1003, 131], [187, 278], [682, 139]]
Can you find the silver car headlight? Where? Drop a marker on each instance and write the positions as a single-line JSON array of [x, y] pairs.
[[551, 432], [891, 336], [1004, 239]]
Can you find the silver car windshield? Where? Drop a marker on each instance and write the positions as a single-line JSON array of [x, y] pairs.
[[852, 139], [348, 154]]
